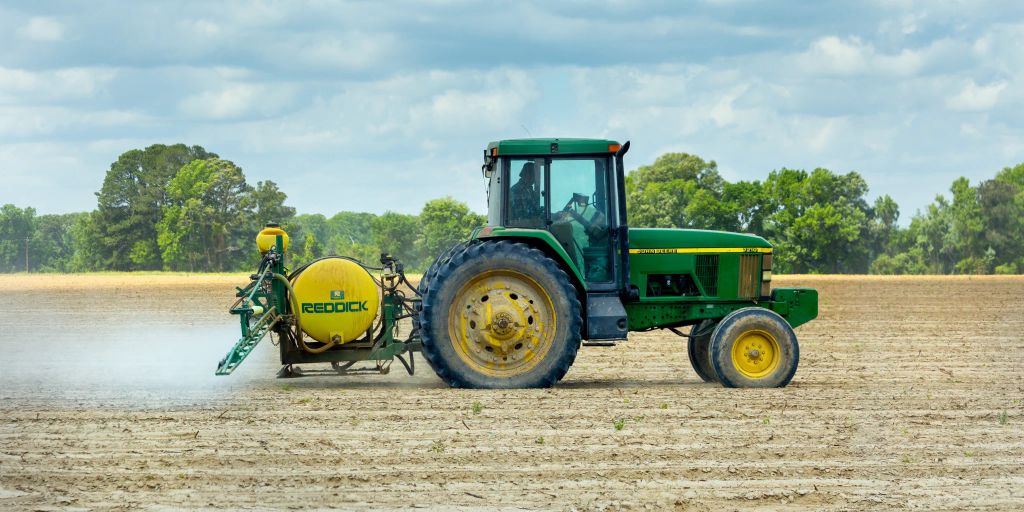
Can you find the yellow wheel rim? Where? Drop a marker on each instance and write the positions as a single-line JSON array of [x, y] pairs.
[[756, 354], [502, 323]]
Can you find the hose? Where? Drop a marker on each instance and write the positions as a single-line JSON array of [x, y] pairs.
[[298, 321]]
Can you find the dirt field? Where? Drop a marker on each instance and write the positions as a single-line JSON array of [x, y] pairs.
[[909, 395]]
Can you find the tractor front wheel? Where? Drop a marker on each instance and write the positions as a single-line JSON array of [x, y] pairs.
[[500, 315], [698, 348], [754, 348]]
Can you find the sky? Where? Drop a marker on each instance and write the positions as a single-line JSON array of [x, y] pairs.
[[376, 106]]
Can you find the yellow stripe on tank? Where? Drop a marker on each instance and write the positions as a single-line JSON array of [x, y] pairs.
[[701, 250]]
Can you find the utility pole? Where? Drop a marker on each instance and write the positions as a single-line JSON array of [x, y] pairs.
[[26, 254]]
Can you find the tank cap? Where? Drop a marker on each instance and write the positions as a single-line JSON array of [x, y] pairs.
[[272, 225]]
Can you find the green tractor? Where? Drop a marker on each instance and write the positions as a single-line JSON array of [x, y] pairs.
[[555, 268]]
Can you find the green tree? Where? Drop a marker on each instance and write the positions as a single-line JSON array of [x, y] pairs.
[[310, 224], [17, 226], [53, 243], [351, 234], [931, 235], [86, 244], [364, 252], [346, 233], [819, 221], [310, 250], [747, 204], [200, 229], [967, 239], [1002, 204], [823, 238], [266, 201], [678, 190], [350, 227], [443, 223], [131, 201], [395, 234], [883, 229]]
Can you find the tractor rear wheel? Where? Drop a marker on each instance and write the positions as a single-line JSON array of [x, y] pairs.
[[698, 347], [754, 348], [500, 315]]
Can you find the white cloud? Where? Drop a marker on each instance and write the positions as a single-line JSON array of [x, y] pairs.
[[492, 100], [203, 27], [24, 86], [33, 121], [347, 51], [237, 100], [974, 97], [905, 25], [724, 112], [413, 112], [837, 55], [852, 56], [824, 133], [42, 29]]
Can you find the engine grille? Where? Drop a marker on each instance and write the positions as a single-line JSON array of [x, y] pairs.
[[750, 275], [707, 273]]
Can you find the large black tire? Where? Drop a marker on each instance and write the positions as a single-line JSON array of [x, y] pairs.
[[754, 348], [442, 258], [699, 347], [451, 359], [431, 271]]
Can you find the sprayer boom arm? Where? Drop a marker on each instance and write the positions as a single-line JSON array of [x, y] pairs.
[[251, 336]]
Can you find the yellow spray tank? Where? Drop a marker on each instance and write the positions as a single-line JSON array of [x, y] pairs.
[[267, 238], [337, 300]]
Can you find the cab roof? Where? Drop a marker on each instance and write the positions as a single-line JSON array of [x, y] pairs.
[[560, 146]]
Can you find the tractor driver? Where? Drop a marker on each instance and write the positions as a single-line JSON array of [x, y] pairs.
[[525, 196], [591, 221]]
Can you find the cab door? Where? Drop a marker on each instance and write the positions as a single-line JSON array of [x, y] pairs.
[[574, 198], [579, 206]]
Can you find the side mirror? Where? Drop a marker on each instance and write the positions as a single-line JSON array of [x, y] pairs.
[[488, 168]]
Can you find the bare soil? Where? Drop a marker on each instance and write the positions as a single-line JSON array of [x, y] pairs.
[[908, 396]]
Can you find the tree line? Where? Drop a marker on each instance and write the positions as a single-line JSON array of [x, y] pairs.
[[183, 208], [821, 221]]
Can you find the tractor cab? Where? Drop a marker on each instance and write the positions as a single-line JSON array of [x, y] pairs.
[[570, 188], [567, 196]]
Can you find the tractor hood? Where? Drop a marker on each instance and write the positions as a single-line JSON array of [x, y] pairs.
[[658, 238]]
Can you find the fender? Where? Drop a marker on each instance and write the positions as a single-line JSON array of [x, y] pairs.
[[539, 237]]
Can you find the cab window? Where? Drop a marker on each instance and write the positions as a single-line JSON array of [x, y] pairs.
[[579, 213], [526, 194]]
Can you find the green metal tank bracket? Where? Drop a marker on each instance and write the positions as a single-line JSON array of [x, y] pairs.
[[797, 305], [387, 347]]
